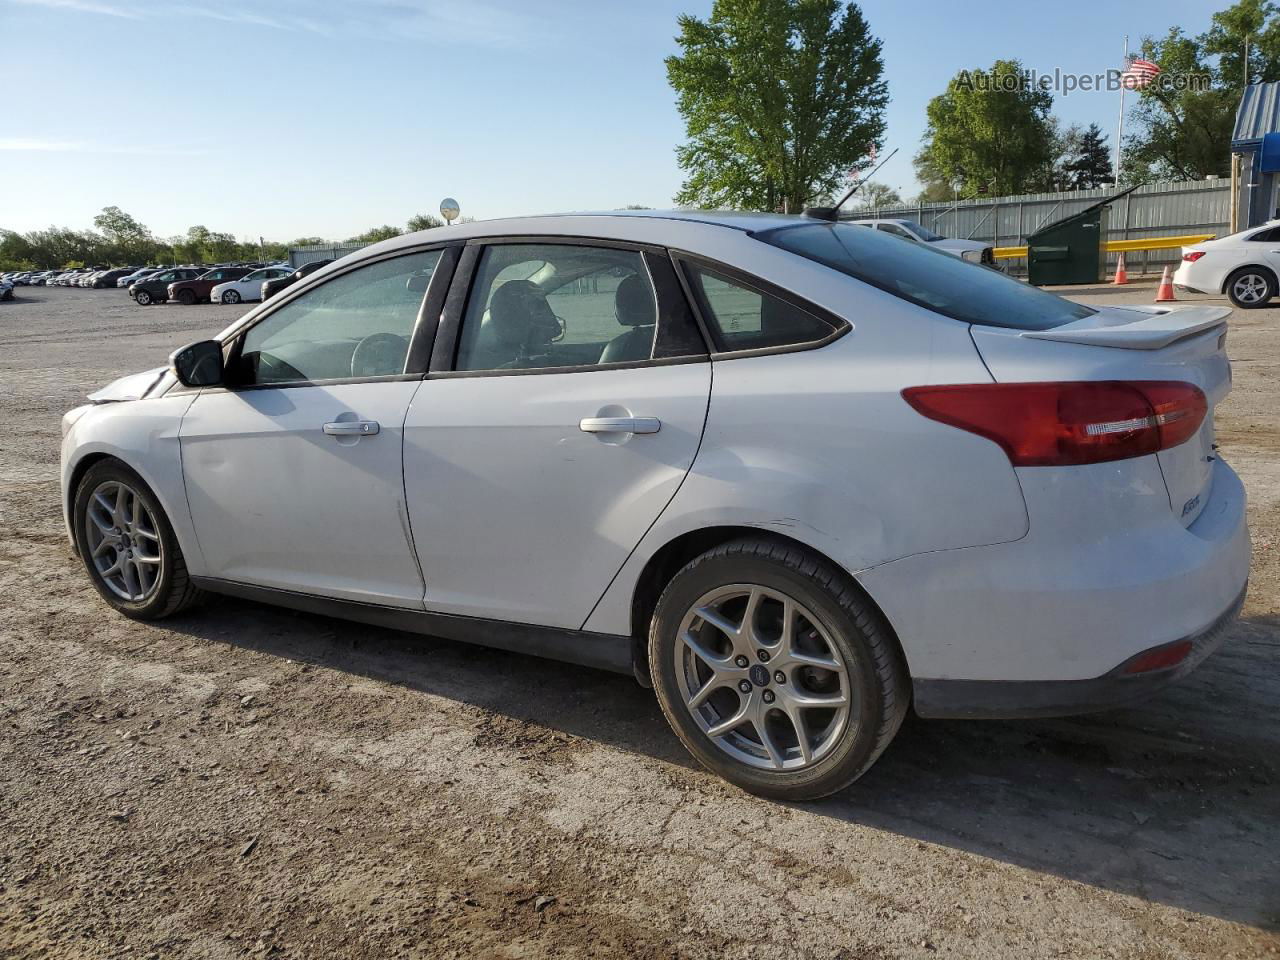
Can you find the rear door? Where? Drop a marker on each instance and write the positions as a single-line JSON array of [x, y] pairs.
[[567, 398]]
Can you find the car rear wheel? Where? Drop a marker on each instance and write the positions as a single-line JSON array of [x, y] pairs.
[[143, 298], [230, 296], [1251, 287], [775, 671], [186, 297], [128, 546]]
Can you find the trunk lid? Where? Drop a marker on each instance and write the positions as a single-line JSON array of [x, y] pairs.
[[1130, 343]]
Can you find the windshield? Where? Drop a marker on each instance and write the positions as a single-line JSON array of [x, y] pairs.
[[928, 277], [928, 236]]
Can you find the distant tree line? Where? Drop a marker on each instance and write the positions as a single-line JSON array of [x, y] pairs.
[[118, 239]]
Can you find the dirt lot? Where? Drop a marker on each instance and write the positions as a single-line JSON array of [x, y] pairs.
[[250, 781]]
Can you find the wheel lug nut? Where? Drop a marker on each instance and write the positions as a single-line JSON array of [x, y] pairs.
[[767, 696], [763, 655], [741, 661], [779, 677], [744, 686]]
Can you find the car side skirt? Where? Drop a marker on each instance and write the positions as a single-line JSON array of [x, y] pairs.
[[599, 650], [1016, 699]]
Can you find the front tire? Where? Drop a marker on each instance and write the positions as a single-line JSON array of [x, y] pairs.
[[230, 297], [143, 298], [775, 671], [186, 297], [1251, 287], [128, 545]]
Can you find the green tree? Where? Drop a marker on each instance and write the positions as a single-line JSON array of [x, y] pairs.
[[990, 132], [1183, 134], [373, 235], [423, 221], [130, 240], [1086, 159], [872, 196], [780, 99]]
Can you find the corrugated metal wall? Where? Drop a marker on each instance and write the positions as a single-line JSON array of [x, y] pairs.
[[1153, 210], [323, 251]]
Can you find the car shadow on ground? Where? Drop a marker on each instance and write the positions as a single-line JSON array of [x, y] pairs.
[[1172, 801]]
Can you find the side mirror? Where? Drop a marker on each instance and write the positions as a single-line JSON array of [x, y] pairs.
[[198, 364]]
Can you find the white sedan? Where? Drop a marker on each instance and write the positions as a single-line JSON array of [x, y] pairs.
[[910, 481], [248, 287], [1244, 266], [972, 250]]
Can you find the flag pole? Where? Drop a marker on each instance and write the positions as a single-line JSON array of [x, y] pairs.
[[1120, 124]]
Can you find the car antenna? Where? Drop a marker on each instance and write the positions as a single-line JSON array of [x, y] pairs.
[[833, 213]]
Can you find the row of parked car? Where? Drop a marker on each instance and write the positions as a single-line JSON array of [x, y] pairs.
[[188, 284], [228, 284]]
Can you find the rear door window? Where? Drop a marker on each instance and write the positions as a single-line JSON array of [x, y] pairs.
[[927, 277]]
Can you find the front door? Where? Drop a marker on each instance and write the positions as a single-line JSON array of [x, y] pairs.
[[570, 412], [293, 472]]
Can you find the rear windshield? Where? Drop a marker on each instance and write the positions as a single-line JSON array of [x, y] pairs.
[[928, 277]]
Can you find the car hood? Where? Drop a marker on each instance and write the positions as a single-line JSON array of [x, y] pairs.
[[951, 243], [133, 387]]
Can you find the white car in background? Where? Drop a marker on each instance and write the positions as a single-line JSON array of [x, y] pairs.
[[1245, 266], [910, 479], [248, 287], [972, 250]]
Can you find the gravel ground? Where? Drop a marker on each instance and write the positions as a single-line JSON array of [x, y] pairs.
[[250, 781]]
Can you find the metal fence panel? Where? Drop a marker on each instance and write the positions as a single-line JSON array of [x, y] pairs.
[[322, 251], [1153, 210]]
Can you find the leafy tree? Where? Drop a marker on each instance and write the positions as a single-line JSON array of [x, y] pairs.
[[130, 240], [1184, 134], [423, 221], [780, 99], [307, 242], [874, 195], [990, 132], [373, 235], [1086, 160]]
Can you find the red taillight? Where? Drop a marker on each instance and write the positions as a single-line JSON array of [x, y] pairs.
[[1193, 256], [1061, 424], [1158, 658]]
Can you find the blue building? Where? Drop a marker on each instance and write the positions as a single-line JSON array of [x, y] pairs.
[[1255, 162]]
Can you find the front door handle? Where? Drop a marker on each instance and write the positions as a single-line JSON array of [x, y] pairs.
[[352, 428], [620, 425]]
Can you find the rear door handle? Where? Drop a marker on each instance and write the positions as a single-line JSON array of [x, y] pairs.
[[620, 425], [352, 428]]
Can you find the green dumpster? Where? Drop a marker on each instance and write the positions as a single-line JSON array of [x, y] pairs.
[[1073, 249]]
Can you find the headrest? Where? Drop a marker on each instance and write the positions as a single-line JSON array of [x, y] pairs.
[[521, 316], [633, 303]]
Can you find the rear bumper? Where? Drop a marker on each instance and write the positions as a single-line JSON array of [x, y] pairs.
[[1044, 624], [1000, 700]]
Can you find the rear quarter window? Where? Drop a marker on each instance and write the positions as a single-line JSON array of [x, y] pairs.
[[930, 278]]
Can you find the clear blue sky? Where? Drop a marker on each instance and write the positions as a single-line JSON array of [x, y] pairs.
[[324, 117]]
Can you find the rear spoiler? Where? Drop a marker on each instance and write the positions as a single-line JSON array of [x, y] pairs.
[[1136, 328]]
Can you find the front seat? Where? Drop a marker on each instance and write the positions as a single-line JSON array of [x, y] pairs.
[[520, 325], [634, 307]]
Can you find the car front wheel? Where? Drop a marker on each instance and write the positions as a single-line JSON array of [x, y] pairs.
[[1251, 287], [231, 297], [143, 298], [128, 546], [775, 671], [186, 297]]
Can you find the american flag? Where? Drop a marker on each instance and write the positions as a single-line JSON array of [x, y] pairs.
[[1138, 74]]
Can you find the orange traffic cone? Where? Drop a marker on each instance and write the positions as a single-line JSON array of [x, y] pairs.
[[1165, 293], [1121, 276]]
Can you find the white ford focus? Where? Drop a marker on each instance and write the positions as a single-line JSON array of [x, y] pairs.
[[797, 475]]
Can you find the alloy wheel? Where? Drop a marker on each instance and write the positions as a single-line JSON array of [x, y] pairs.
[[762, 678], [123, 541], [1250, 288], [231, 297]]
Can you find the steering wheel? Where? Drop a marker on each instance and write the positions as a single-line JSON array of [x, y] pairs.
[[379, 355]]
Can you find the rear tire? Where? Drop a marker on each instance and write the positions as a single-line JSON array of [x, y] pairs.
[[128, 546], [1251, 287], [772, 675]]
